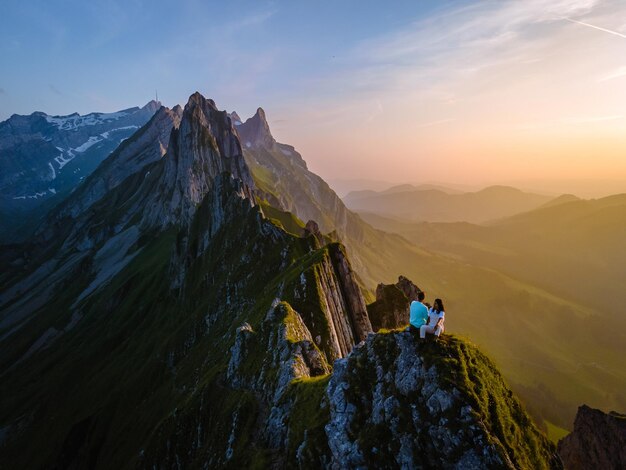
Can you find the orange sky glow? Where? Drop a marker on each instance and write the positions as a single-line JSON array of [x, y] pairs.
[[497, 92]]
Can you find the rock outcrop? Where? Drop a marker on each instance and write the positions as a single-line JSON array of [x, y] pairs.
[[598, 441], [393, 402], [391, 308], [396, 402], [407, 287], [331, 284]]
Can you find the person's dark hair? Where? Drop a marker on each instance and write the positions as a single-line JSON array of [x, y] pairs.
[[438, 305], [421, 296]]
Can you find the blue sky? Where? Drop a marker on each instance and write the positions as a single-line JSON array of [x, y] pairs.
[[66, 56], [474, 92]]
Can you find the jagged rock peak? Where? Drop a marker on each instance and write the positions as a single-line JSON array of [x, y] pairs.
[[234, 117], [260, 114], [152, 105], [598, 441], [198, 99], [204, 146], [255, 132]]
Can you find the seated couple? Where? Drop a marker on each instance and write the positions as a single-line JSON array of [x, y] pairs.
[[424, 319]]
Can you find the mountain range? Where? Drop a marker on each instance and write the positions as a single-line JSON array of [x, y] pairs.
[[428, 203], [173, 312], [546, 373], [43, 158]]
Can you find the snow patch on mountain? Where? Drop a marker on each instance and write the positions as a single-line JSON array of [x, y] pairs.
[[107, 133], [92, 141], [31, 196], [74, 121], [68, 155], [62, 161]]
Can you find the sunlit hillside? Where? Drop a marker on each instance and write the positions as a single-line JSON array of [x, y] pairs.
[[551, 282]]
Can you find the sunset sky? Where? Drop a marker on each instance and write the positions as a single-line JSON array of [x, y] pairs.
[[463, 92]]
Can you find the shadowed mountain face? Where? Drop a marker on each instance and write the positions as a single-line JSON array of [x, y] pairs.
[[43, 158], [440, 205], [169, 320]]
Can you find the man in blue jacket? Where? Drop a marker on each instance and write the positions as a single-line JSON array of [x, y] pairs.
[[419, 313]]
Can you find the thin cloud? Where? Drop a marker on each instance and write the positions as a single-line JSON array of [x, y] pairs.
[[591, 119], [379, 110], [54, 89], [3, 91], [610, 31], [435, 123], [620, 72]]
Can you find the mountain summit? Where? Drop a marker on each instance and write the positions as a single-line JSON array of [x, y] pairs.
[[255, 132]]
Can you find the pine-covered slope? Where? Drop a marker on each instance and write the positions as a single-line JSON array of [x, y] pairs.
[[177, 324]]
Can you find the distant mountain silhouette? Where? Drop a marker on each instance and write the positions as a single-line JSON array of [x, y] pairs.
[[569, 262], [435, 204]]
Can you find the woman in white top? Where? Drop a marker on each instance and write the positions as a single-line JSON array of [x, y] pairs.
[[436, 317]]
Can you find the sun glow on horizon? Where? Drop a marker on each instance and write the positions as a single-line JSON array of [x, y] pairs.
[[485, 92], [451, 90]]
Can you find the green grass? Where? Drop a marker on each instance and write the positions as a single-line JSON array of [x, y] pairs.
[[554, 432], [309, 414], [144, 362], [285, 220]]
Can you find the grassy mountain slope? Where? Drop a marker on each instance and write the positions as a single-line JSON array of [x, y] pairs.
[[544, 339], [565, 269], [142, 357]]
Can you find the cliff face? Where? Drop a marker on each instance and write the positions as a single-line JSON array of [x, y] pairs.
[[147, 146], [203, 147], [598, 441]]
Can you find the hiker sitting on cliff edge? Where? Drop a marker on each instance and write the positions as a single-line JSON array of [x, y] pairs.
[[436, 317], [419, 313]]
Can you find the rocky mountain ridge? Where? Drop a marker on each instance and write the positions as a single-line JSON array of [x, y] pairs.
[[182, 326]]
